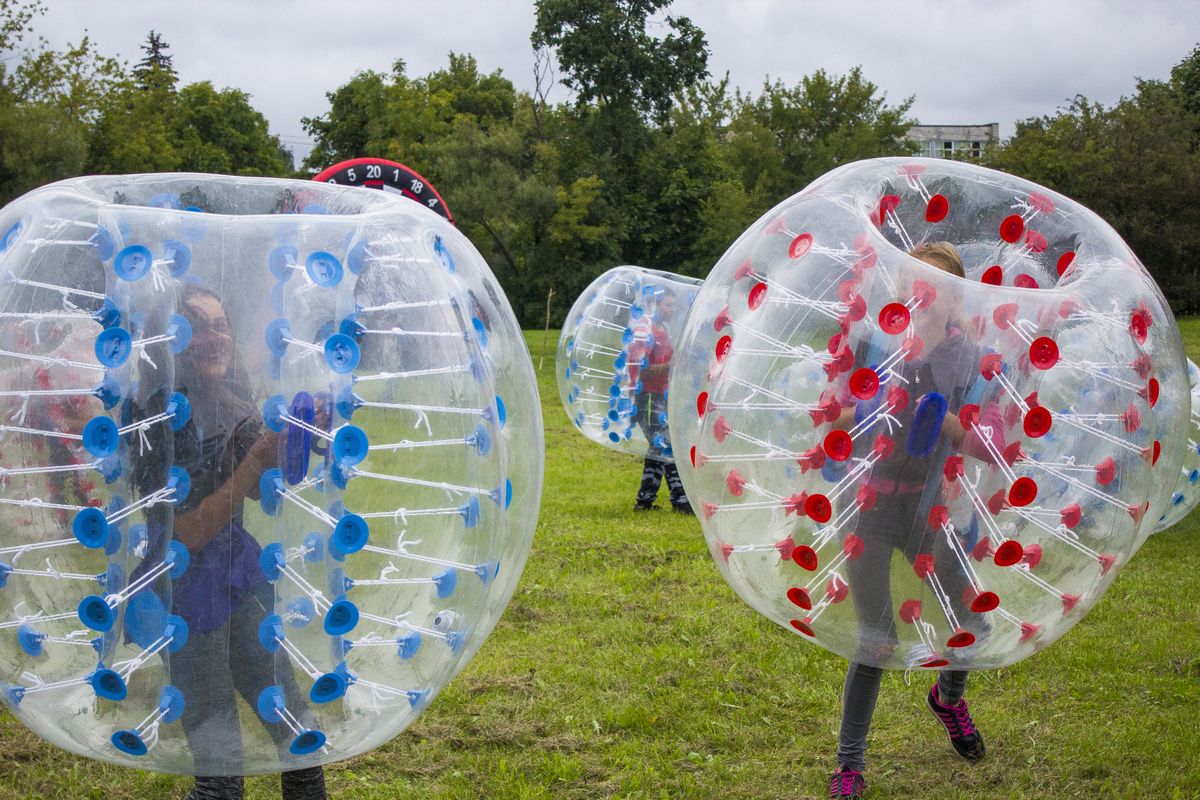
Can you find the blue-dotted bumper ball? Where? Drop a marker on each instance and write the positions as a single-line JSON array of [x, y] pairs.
[[264, 439], [1187, 487], [615, 355]]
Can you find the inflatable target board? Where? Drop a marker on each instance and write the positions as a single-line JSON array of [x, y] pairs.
[[390, 176]]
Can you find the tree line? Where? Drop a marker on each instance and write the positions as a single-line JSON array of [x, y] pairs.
[[652, 161]]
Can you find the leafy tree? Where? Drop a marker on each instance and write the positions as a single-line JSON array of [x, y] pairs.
[[156, 70]]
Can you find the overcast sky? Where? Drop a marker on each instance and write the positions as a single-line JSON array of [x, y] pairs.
[[966, 61]]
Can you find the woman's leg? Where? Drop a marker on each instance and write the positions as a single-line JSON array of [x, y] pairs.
[[951, 686], [202, 673], [858, 706], [303, 784]]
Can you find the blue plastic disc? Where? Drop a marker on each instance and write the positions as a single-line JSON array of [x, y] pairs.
[[133, 262], [445, 582], [307, 742], [90, 527], [113, 578], [327, 688], [300, 611], [270, 632], [357, 259], [107, 314], [181, 482], [271, 561], [171, 703], [145, 618], [129, 742], [469, 511], [348, 402], [180, 410], [10, 236], [181, 332], [30, 640], [270, 703], [417, 697], [113, 347], [277, 331], [342, 353], [177, 631], [350, 445], [282, 260], [108, 392], [314, 548], [341, 618], [444, 255], [178, 557], [100, 437], [480, 332], [95, 613], [273, 411], [481, 440], [349, 536], [108, 684], [180, 256], [324, 269], [408, 644]]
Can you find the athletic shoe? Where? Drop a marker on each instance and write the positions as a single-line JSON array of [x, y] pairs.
[[966, 740], [846, 784], [683, 508]]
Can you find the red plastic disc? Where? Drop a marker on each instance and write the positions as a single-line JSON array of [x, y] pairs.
[[864, 383], [800, 245], [853, 546], [1071, 515], [910, 611], [1157, 452], [724, 344], [1041, 202], [894, 318], [913, 345], [1032, 555], [837, 589], [938, 516], [897, 398], [803, 626], [984, 602], [1035, 241], [961, 639], [1038, 422], [887, 204], [883, 446], [857, 308], [993, 275], [935, 663], [838, 445], [968, 415], [1043, 353], [953, 468], [1025, 281], [1004, 314], [1023, 492], [805, 557], [800, 597], [1152, 392], [818, 508], [1064, 262], [692, 454], [701, 403], [1106, 471], [757, 295], [721, 320], [991, 365], [937, 208], [1011, 228], [745, 269], [1008, 553], [735, 483], [721, 428], [923, 565]]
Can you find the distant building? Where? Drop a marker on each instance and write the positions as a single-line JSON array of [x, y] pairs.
[[947, 141]]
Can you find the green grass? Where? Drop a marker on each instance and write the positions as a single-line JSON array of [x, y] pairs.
[[626, 667]]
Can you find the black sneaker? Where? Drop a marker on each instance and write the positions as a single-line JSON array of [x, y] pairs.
[[684, 508], [964, 737], [847, 784]]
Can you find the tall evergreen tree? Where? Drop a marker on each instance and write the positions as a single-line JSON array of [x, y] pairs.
[[156, 70]]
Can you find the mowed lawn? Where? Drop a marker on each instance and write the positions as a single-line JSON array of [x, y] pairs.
[[625, 667]]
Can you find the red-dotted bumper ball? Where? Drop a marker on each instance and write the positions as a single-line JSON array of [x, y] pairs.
[[615, 355], [1187, 485], [916, 469], [270, 463]]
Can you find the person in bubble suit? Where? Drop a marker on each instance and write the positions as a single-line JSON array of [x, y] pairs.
[[652, 412], [223, 595], [898, 522]]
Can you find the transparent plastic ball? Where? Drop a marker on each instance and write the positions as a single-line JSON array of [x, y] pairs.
[[915, 469], [615, 355], [1187, 487], [262, 439]]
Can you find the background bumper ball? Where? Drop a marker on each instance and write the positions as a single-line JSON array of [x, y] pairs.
[[1187, 487], [615, 355], [264, 439], [914, 469]]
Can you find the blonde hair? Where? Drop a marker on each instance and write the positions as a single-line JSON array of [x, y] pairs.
[[942, 255]]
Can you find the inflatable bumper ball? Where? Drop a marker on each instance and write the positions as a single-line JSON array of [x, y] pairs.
[[1187, 488], [264, 439], [916, 469], [615, 354]]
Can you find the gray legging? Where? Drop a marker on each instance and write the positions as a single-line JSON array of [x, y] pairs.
[[214, 668], [868, 576]]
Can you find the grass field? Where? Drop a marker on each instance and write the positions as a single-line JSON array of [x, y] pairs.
[[625, 667]]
